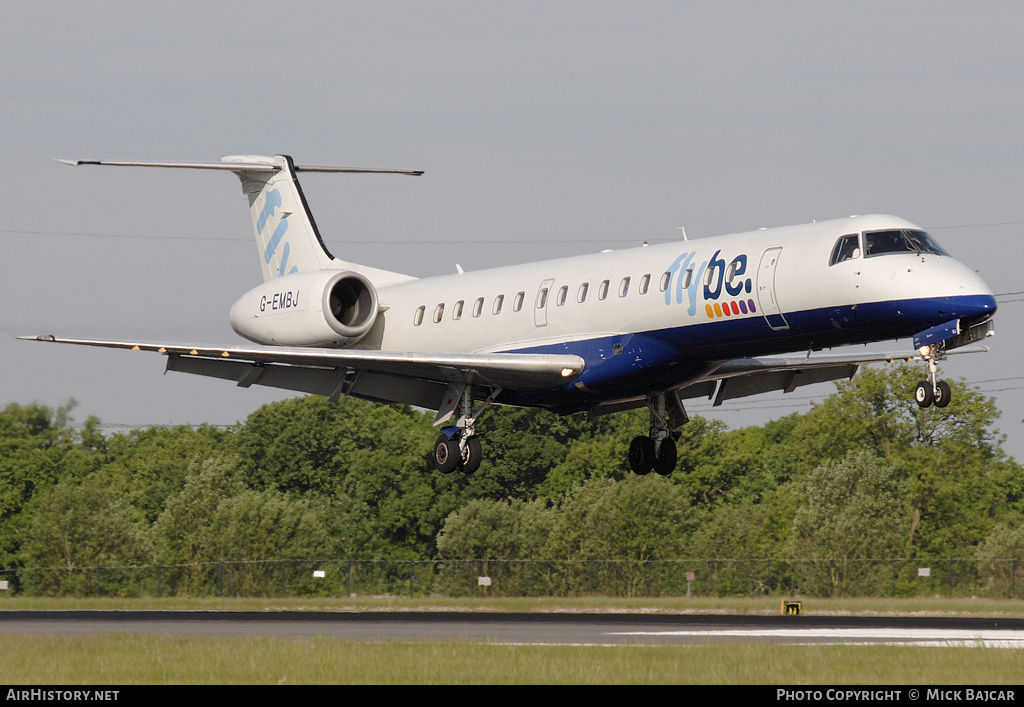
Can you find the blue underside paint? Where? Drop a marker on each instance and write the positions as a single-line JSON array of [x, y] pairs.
[[666, 358]]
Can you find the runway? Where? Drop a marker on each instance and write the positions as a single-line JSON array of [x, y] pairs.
[[532, 628]]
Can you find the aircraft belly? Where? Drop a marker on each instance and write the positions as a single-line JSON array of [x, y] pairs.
[[667, 358]]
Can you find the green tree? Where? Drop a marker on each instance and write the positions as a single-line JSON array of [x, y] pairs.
[[150, 465], [612, 529], [215, 521], [853, 512], [503, 540], [599, 451], [507, 530], [958, 478], [79, 525], [38, 448], [375, 455], [1002, 556], [183, 533]]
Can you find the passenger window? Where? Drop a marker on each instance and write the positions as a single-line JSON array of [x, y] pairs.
[[517, 303], [478, 307], [581, 296], [457, 309], [438, 313], [688, 279], [846, 248], [602, 292], [417, 318], [624, 287], [710, 276], [666, 278], [645, 282], [542, 298], [497, 304], [563, 291]]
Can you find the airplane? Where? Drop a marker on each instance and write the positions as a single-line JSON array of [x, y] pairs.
[[720, 318]]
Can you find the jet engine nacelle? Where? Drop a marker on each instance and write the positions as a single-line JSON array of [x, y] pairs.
[[319, 308]]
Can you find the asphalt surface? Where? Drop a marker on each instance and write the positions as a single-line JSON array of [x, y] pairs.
[[532, 628]]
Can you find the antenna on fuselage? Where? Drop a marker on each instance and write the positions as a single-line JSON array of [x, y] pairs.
[[683, 229]]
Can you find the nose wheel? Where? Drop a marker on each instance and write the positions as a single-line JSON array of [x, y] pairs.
[[927, 394], [933, 392]]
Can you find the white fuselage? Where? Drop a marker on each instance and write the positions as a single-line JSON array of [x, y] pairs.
[[801, 281], [743, 295]]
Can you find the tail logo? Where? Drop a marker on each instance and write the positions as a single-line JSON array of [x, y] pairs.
[[270, 206]]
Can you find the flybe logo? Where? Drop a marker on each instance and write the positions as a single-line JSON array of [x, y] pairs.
[[720, 285], [270, 206]]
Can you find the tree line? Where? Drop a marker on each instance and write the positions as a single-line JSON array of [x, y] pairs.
[[863, 474]]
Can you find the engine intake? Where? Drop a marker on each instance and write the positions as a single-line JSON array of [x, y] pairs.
[[320, 308]]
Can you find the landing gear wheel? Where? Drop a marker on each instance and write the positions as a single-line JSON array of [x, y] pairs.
[[665, 464], [923, 394], [446, 455], [942, 394], [471, 456], [641, 455]]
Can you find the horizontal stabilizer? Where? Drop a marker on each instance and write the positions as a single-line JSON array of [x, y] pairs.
[[287, 237], [232, 164]]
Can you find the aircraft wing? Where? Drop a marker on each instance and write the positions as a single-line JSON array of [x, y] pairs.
[[382, 376], [742, 377]]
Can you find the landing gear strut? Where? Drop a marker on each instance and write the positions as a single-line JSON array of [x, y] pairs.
[[932, 391], [458, 447], [658, 451]]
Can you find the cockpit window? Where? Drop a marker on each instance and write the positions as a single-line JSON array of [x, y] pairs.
[[847, 248], [905, 241]]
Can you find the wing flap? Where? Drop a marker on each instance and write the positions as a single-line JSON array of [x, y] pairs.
[[417, 378], [784, 380], [743, 377]]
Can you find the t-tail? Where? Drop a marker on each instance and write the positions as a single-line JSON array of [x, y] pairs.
[[287, 238]]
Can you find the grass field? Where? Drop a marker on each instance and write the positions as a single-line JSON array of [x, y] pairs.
[[127, 659]]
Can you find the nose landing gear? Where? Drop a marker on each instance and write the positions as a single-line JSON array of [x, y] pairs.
[[935, 392]]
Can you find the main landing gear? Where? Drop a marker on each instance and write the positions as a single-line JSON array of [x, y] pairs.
[[458, 447], [658, 451], [457, 452], [932, 391]]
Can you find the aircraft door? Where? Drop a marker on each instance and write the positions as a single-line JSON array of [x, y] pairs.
[[540, 309], [766, 296]]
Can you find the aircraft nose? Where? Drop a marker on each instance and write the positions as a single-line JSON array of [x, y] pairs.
[[973, 307]]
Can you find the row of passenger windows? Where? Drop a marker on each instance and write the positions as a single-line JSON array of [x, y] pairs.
[[561, 296]]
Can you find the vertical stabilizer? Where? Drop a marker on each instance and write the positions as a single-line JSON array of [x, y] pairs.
[[286, 235]]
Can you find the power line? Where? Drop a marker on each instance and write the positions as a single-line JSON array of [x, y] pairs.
[[978, 225], [375, 241], [12, 231]]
